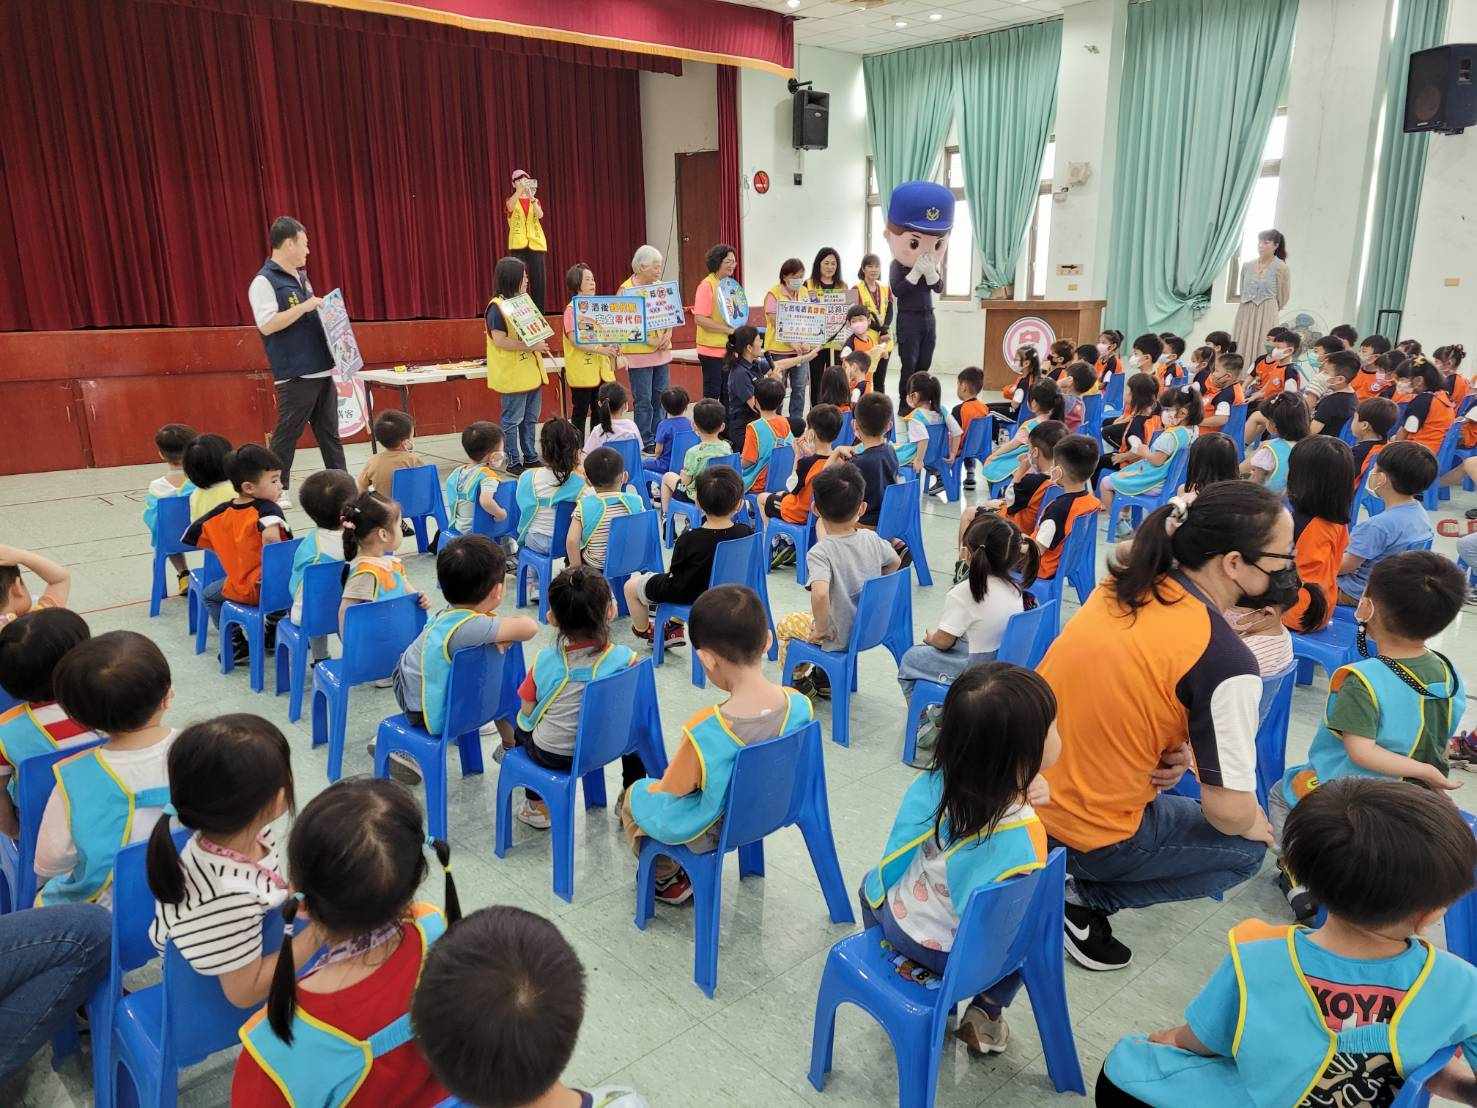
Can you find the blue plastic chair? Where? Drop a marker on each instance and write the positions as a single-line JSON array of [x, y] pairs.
[[776, 783], [618, 716], [634, 545], [34, 783], [1461, 917], [1077, 565], [483, 687], [197, 613], [1142, 502], [374, 636], [1445, 461], [1009, 926], [688, 509], [978, 441], [1113, 396], [875, 611], [801, 536], [506, 496], [1092, 417], [936, 460], [1274, 717], [1413, 1093], [847, 435], [1235, 426], [170, 523], [901, 517], [323, 592], [1330, 648], [418, 492], [542, 565], [777, 475], [630, 452], [735, 562], [252, 618]]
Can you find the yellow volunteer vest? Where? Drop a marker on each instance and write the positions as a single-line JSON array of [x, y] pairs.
[[772, 343], [583, 368], [646, 347], [525, 230], [704, 336], [512, 370], [877, 307]]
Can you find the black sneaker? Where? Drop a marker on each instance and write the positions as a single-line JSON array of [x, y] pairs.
[[1472, 513], [783, 555], [821, 682], [1090, 941]]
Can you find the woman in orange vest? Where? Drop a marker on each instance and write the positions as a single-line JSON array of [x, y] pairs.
[[712, 329], [526, 240], [515, 370], [876, 297]]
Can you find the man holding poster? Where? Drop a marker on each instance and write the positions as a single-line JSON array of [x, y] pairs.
[[286, 314]]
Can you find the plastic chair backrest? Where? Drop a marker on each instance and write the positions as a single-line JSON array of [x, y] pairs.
[[417, 490], [733, 562], [474, 692], [1235, 425], [563, 515], [847, 435], [1018, 644], [211, 569], [1413, 1093], [997, 926], [198, 1018], [683, 440], [507, 499], [899, 509], [634, 544], [781, 467], [133, 905], [1092, 416], [1113, 394], [978, 439], [874, 610], [938, 445], [1276, 694], [630, 451], [607, 716], [376, 634], [732, 461], [171, 520], [1079, 544], [323, 592], [277, 575], [1174, 474], [1346, 432], [762, 791], [1051, 492]]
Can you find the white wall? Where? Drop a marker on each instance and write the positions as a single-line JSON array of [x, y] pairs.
[[679, 115]]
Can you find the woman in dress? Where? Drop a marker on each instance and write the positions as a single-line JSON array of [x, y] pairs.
[[1266, 287]]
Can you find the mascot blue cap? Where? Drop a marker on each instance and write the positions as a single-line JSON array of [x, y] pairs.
[[923, 206]]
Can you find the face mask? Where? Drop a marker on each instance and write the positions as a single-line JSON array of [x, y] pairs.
[[1137, 361], [859, 327], [1165, 357], [1169, 419], [1315, 359], [1281, 353], [1282, 587], [794, 283], [1102, 349]]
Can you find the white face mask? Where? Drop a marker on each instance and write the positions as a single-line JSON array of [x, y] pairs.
[[859, 327], [1102, 349], [1281, 353], [1137, 361], [1170, 418], [794, 283]]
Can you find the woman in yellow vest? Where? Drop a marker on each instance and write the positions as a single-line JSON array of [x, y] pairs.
[[791, 286], [825, 277], [648, 363], [515, 370], [712, 329], [585, 367], [876, 297], [526, 240]]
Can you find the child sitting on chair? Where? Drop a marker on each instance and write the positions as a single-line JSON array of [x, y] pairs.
[[395, 433], [612, 417], [968, 386], [761, 436], [1073, 461], [371, 526], [675, 403], [589, 532], [205, 468], [323, 497], [171, 441], [730, 634], [476, 482], [707, 417], [822, 425]]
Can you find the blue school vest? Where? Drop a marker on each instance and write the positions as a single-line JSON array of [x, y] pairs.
[[529, 503], [324, 1066], [1143, 475], [680, 819], [592, 509], [1277, 479], [388, 583], [100, 812], [1004, 465], [972, 862], [21, 737], [907, 451], [1282, 1045], [151, 508], [766, 440], [462, 489], [307, 554], [1401, 708], [436, 664], [552, 672]]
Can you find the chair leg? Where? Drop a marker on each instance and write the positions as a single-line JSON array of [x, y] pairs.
[[920, 557], [1046, 985], [699, 679], [545, 572], [815, 825], [469, 751], [751, 859], [338, 725], [502, 814], [645, 888], [841, 704], [202, 625], [594, 783], [434, 776], [823, 1034], [156, 586], [256, 638], [706, 874], [297, 673], [228, 654], [1305, 671], [318, 716], [422, 541], [561, 824]]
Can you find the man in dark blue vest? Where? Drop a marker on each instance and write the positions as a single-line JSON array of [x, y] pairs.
[[286, 313]]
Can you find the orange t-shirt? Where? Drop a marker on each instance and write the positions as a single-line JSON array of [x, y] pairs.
[[795, 506], [1271, 377], [1319, 549], [971, 410], [1457, 388], [750, 454], [1063, 512], [1434, 413], [234, 532], [1024, 506]]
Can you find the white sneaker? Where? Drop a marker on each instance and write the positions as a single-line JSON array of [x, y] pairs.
[[385, 683], [530, 816], [284, 502], [981, 1034]]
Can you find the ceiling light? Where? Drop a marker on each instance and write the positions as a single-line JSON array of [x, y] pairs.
[[934, 17], [792, 3], [900, 24]]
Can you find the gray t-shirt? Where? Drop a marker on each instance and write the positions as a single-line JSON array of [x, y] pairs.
[[475, 632], [554, 733], [848, 562]]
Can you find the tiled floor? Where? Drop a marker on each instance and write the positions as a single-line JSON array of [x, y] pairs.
[[647, 1024]]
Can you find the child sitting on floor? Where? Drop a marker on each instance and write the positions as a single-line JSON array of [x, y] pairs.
[[15, 599], [603, 501], [394, 432], [730, 634], [475, 483], [707, 417], [171, 441]]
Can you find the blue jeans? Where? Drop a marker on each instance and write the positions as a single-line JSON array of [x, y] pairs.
[[928, 663], [211, 594], [647, 386], [1174, 855], [799, 382], [50, 960], [519, 422]]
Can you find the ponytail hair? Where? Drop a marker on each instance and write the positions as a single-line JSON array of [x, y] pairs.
[[361, 517], [739, 341], [1222, 341], [1453, 355], [998, 549], [611, 397], [559, 445], [1279, 241], [926, 387], [1045, 394]]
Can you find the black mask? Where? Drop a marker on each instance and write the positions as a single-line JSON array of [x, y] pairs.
[[1281, 591]]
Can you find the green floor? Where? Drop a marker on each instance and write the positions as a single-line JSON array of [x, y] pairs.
[[647, 1025]]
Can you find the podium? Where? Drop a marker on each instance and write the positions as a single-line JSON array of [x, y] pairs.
[[1010, 324]]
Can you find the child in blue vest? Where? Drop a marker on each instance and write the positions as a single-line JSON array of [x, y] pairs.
[[170, 440], [107, 797], [604, 500], [30, 648], [1390, 714], [357, 855], [476, 482], [580, 610], [965, 823], [1180, 412], [1267, 465], [765, 433], [730, 633], [557, 481], [323, 497], [371, 526], [675, 403], [924, 398], [1343, 1014], [498, 1009], [1044, 402], [230, 780]]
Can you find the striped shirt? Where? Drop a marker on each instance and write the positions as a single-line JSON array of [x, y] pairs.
[[63, 729], [218, 925]]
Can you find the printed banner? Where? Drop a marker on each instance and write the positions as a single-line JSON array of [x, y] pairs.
[[801, 323], [664, 309], [837, 304], [610, 320], [347, 362], [733, 302], [528, 323]]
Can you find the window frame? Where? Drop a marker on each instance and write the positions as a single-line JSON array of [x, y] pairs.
[[874, 200], [1045, 187], [1272, 167]]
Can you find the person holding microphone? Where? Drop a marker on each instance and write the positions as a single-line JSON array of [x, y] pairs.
[[515, 370], [526, 240]]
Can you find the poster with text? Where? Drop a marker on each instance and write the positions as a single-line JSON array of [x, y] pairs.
[[801, 323], [837, 304], [664, 309], [733, 302], [353, 411], [528, 323], [609, 320]]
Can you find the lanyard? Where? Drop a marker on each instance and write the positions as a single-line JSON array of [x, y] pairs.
[[236, 856]]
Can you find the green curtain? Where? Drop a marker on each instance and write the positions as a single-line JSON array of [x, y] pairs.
[[1402, 166], [910, 104], [1200, 86], [1007, 100]]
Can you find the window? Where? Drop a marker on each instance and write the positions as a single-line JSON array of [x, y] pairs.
[[958, 264], [1261, 213], [1039, 236]]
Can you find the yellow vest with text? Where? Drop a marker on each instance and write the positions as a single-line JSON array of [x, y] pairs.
[[706, 337], [583, 368], [511, 370], [525, 230], [877, 307]]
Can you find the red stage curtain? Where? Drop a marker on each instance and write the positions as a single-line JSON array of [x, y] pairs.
[[145, 146], [729, 226]]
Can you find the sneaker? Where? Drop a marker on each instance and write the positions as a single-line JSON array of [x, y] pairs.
[[1472, 513], [982, 1034], [284, 501], [935, 488], [183, 583], [406, 530], [1303, 906], [676, 889], [385, 683], [674, 634], [968, 482], [783, 555], [402, 766], [821, 682], [530, 816], [928, 726], [803, 684], [240, 650], [1090, 941]]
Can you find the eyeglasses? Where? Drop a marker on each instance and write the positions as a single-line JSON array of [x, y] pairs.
[[1255, 556]]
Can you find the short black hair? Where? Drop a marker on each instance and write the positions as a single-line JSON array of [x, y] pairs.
[[1083, 377], [1330, 344], [1150, 344], [1086, 352], [1046, 434], [1077, 455], [1320, 477], [838, 492], [1345, 333], [1410, 467], [32, 645], [873, 414], [1288, 337], [860, 359], [730, 621], [284, 227], [498, 1007], [1378, 343], [468, 568], [719, 490], [113, 683], [205, 460], [973, 377], [1375, 851], [1380, 413], [824, 421], [675, 400], [249, 463], [603, 467], [708, 416], [858, 311], [1342, 363], [481, 439], [392, 428], [1419, 592], [769, 394], [171, 440], [1173, 343], [323, 496], [1231, 363]]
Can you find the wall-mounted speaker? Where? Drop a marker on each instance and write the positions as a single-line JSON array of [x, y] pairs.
[[812, 119], [1440, 94]]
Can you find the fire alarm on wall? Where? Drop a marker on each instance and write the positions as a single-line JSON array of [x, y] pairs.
[[761, 182]]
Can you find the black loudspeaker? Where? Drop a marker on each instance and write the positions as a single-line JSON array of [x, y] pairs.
[[1440, 94], [812, 119]]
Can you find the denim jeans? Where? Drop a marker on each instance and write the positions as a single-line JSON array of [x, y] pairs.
[[799, 382], [647, 385], [519, 422], [1174, 855], [50, 960], [928, 663], [211, 594]]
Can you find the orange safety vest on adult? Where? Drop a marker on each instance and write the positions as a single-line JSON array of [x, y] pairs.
[[510, 370], [525, 226]]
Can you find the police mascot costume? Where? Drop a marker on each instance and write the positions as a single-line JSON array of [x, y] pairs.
[[920, 215]]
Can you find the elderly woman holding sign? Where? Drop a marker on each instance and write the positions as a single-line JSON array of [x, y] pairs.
[[515, 369], [647, 361]]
